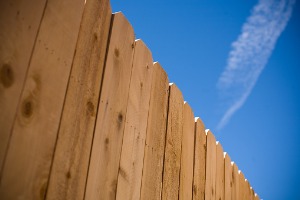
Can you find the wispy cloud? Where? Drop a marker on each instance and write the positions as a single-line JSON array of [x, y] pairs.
[[251, 51]]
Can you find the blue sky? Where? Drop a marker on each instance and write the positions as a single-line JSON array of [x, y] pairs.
[[223, 59]]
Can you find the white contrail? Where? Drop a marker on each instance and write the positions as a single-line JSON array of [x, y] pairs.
[[251, 51]]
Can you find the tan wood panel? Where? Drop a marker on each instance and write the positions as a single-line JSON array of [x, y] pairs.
[[200, 161], [210, 182], [156, 133], [187, 154], [71, 160], [26, 170], [228, 176], [220, 174], [19, 25], [242, 186], [247, 190], [111, 119], [235, 182], [252, 194], [132, 155], [256, 197], [171, 176]]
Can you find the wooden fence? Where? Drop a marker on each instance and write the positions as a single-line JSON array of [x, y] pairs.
[[86, 114]]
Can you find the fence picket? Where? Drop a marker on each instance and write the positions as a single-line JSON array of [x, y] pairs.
[[187, 154], [171, 176], [200, 161], [235, 182], [228, 176], [110, 123], [220, 174], [210, 182], [19, 25], [26, 170], [156, 132], [132, 155], [79, 114]]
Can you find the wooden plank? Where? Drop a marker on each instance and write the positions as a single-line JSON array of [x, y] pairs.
[[256, 197], [171, 176], [156, 136], [27, 165], [71, 159], [235, 182], [110, 123], [132, 155], [247, 190], [187, 154], [200, 161], [210, 182], [252, 195], [19, 25], [228, 177], [220, 174], [242, 186]]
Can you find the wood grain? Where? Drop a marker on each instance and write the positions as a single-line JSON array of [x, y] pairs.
[[187, 154], [19, 25], [26, 170], [156, 136], [111, 119], [235, 182], [71, 160], [228, 176], [132, 155], [200, 161], [220, 173], [242, 186], [210, 182], [171, 175]]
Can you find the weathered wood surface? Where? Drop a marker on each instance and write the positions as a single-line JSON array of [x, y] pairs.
[[132, 155], [200, 161], [106, 149], [171, 174], [19, 25], [71, 160], [156, 136], [27, 165]]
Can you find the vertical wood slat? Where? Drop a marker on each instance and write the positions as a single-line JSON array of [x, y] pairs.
[[171, 176], [228, 176], [19, 25], [26, 170], [110, 123], [187, 154], [156, 132], [200, 161], [210, 182], [247, 190], [242, 186], [71, 159], [256, 197], [235, 182], [252, 193], [132, 155], [220, 176]]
